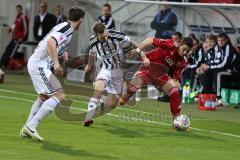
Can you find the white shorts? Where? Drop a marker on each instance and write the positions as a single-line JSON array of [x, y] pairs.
[[43, 79], [113, 80]]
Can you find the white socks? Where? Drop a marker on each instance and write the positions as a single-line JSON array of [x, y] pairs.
[[35, 107], [47, 107], [92, 105]]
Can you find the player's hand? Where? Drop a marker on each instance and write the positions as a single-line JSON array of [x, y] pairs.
[[132, 53], [176, 82], [198, 71], [204, 67], [87, 68], [146, 62], [65, 56], [58, 71]]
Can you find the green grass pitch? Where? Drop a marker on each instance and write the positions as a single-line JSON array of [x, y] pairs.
[[142, 132]]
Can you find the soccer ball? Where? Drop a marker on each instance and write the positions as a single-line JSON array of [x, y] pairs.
[[181, 122]]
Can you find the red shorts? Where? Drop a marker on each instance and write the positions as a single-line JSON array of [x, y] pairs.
[[156, 78]]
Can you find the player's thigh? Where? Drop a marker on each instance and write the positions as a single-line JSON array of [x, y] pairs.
[[140, 78], [45, 83], [164, 83], [102, 79], [99, 85], [115, 83], [169, 85]]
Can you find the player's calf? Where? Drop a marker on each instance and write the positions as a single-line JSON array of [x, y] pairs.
[[131, 90], [92, 105], [175, 101]]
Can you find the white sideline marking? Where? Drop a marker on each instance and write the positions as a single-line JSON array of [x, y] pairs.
[[153, 122], [119, 108]]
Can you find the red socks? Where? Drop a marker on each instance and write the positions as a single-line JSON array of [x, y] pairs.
[[131, 90], [175, 101]]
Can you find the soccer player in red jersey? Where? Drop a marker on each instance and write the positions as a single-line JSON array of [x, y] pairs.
[[168, 55]]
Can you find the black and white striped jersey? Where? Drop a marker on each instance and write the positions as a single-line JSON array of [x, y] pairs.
[[62, 34], [108, 21], [110, 52]]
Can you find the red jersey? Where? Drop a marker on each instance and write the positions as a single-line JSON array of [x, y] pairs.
[[20, 29], [167, 55]]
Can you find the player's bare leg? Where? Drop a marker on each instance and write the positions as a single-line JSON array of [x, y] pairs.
[[92, 105], [132, 88], [109, 103]]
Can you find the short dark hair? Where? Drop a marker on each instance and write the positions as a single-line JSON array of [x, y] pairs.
[[178, 34], [75, 13], [192, 35], [222, 35], [195, 39], [99, 28], [19, 6], [187, 41], [107, 5]]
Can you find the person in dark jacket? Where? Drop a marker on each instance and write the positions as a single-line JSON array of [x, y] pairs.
[[193, 62], [164, 23], [60, 17], [43, 22], [219, 64], [206, 74]]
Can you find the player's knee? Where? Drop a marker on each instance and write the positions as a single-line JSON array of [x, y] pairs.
[[60, 96], [42, 97], [170, 85]]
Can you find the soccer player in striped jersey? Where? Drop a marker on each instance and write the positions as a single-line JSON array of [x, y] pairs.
[[49, 90], [168, 55], [106, 45]]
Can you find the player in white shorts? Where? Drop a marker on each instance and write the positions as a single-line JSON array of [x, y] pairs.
[[106, 45], [46, 83]]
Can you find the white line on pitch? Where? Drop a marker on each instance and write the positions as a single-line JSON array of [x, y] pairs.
[[153, 122], [118, 108]]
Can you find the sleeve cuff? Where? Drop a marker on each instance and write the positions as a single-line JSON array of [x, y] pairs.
[[55, 40], [155, 41]]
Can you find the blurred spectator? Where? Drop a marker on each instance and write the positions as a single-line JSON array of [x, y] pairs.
[[218, 63], [208, 58], [192, 35], [19, 34], [43, 22], [59, 14], [202, 38], [164, 23], [106, 17], [177, 37], [225, 67], [236, 61], [193, 62]]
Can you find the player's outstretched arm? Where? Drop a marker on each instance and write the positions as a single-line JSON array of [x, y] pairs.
[[52, 50], [91, 60], [147, 42]]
